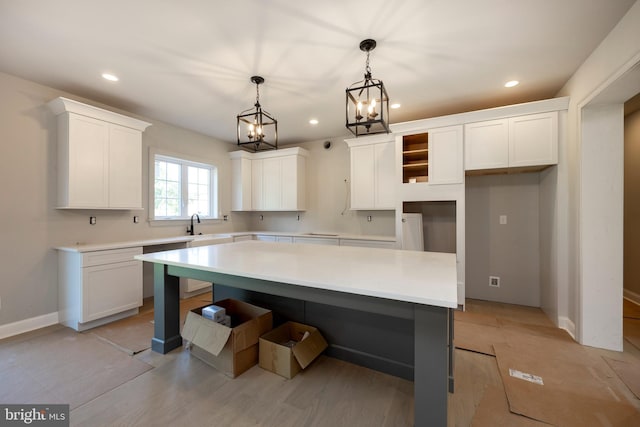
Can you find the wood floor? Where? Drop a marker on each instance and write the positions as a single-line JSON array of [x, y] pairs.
[[181, 390]]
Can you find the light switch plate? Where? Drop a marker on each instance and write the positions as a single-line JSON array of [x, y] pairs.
[[503, 219]]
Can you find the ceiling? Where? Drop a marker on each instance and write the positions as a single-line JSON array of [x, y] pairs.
[[188, 63]]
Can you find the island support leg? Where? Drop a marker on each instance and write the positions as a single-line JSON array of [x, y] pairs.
[[431, 370], [166, 307]]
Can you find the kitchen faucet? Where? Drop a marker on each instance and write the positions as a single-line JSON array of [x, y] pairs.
[[190, 230]]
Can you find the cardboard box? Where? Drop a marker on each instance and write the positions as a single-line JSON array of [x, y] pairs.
[[231, 350], [284, 352]]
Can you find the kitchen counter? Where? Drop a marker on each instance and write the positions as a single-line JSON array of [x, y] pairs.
[[409, 276], [90, 247]]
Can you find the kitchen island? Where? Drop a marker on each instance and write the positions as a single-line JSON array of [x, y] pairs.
[[419, 287]]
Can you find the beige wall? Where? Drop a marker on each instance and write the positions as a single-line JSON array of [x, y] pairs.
[[510, 251], [30, 226], [632, 203], [327, 199]]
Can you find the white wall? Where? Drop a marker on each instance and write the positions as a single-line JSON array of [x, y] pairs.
[[616, 55]]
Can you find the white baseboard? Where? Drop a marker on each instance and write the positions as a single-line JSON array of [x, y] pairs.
[[632, 296], [566, 324], [26, 325]]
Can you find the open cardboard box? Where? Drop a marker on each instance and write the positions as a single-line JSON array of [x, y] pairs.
[[231, 350], [284, 351]]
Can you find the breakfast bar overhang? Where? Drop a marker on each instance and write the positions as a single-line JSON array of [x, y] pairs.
[[418, 286]]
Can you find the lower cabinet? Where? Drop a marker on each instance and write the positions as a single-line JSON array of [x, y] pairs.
[[98, 287]]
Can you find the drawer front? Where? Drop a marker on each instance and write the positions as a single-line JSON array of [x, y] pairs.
[[111, 256]]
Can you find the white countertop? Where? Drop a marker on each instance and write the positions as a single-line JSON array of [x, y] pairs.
[[411, 276], [89, 247]]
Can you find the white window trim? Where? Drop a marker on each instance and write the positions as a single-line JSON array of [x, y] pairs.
[[215, 185]]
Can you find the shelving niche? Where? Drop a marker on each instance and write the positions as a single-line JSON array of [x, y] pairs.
[[415, 157]]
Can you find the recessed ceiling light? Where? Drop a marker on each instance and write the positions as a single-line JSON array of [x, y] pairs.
[[110, 77], [394, 106], [313, 121], [511, 83]]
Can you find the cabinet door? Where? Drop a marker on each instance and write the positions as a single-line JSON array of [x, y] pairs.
[[384, 191], [533, 140], [125, 167], [445, 155], [363, 177], [110, 289], [88, 162], [271, 183], [486, 145], [241, 184], [257, 198], [289, 183], [265, 238]]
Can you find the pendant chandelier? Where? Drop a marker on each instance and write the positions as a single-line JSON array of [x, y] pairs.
[[367, 101], [257, 128]]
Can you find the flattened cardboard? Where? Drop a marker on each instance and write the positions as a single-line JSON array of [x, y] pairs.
[[478, 318], [230, 350], [493, 410], [572, 394], [478, 338], [287, 361]]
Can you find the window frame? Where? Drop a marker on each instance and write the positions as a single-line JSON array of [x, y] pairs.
[[184, 161]]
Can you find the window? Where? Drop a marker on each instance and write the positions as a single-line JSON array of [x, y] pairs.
[[183, 187]]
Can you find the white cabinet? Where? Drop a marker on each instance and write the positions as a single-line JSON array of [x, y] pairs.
[[445, 155], [486, 145], [269, 181], [533, 140], [241, 181], [372, 175], [99, 157], [98, 287], [522, 141]]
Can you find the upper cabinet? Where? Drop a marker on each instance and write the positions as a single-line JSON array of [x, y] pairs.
[[269, 181], [434, 156], [99, 157], [372, 173], [516, 142], [445, 155]]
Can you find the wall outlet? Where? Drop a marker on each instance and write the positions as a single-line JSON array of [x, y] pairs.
[[494, 281], [503, 219], [92, 220], [136, 219], [369, 218]]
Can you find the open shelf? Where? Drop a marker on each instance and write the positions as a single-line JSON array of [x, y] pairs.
[[415, 158]]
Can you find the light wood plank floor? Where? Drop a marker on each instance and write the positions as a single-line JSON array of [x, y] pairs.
[[181, 390]]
